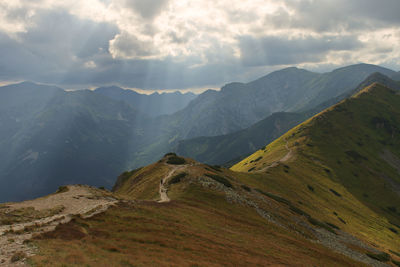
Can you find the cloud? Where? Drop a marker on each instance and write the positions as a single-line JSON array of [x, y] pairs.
[[147, 9], [339, 15], [282, 50], [168, 44]]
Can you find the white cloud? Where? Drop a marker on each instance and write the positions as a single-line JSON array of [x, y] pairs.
[[115, 40]]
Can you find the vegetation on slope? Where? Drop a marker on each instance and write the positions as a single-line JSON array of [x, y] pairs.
[[337, 169], [332, 179], [197, 228]]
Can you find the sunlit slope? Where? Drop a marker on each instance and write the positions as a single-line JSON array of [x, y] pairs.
[[210, 215], [342, 165]]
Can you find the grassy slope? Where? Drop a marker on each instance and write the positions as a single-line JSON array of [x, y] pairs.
[[198, 228], [340, 149]]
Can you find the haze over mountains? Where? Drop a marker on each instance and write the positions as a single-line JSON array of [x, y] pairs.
[[152, 105], [51, 137], [325, 193]]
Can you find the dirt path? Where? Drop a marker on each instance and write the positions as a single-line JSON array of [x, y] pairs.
[[285, 158], [78, 200], [163, 189]]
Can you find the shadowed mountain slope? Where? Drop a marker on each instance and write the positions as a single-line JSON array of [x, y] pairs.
[[239, 105], [51, 137]]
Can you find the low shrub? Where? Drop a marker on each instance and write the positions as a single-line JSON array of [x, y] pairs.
[[299, 211], [245, 187], [335, 193], [355, 155], [395, 224], [177, 178], [62, 189], [321, 224], [310, 188], [175, 160], [219, 179], [274, 197], [215, 168], [332, 225], [258, 159], [397, 263], [395, 253], [384, 257], [392, 209]]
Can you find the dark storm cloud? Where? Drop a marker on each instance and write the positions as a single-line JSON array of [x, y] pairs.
[[281, 50]]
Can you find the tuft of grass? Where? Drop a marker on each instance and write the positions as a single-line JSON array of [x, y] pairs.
[[310, 188], [17, 256], [177, 178], [219, 179], [383, 257], [62, 189]]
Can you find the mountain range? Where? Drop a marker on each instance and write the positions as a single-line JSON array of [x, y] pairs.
[[152, 105], [325, 193], [226, 149], [50, 137]]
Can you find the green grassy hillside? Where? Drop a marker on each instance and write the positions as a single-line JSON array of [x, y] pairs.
[[342, 165]]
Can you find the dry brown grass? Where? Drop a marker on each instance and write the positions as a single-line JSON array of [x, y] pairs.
[[201, 229], [21, 215]]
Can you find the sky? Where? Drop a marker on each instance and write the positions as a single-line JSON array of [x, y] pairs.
[[189, 44]]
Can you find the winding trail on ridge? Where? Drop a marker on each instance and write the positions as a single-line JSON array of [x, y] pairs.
[[163, 190], [285, 158]]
